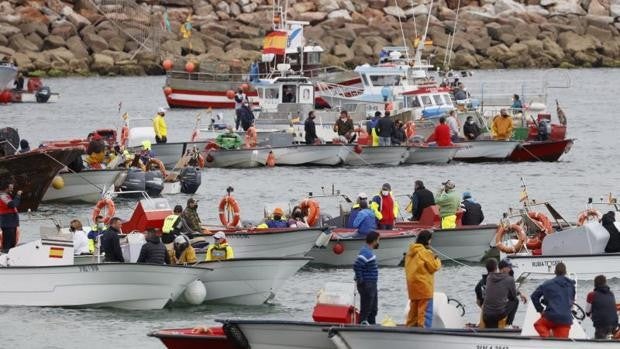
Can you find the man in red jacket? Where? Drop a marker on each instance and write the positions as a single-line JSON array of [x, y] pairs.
[[442, 134], [9, 218]]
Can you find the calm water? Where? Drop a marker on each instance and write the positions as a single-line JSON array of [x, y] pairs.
[[591, 169]]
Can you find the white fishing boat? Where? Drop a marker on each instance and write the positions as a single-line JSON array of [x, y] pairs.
[[419, 154], [8, 72], [298, 155], [236, 158], [486, 150], [41, 273], [85, 186], [367, 155], [248, 281]]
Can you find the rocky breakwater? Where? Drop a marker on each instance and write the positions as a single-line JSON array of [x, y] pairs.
[[77, 37]]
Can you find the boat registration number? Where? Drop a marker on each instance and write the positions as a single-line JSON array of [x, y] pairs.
[[88, 268], [492, 346], [238, 236]]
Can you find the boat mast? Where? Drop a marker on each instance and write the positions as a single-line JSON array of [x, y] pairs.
[[418, 52], [402, 32]]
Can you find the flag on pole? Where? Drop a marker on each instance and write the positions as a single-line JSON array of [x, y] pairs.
[[275, 42], [427, 42]]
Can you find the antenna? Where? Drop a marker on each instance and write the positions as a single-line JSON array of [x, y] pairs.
[[402, 32]]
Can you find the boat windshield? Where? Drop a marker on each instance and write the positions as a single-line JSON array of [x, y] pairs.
[[385, 80]]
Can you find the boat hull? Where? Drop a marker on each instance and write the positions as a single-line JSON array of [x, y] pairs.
[[541, 151], [480, 151], [83, 187], [388, 156], [279, 334], [248, 281], [7, 75], [238, 158], [116, 285], [184, 338], [584, 267], [170, 153], [322, 155], [430, 155]]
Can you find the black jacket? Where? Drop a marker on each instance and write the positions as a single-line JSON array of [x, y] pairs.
[[111, 246], [473, 213], [154, 252], [481, 290], [613, 245], [399, 136], [385, 127], [472, 131], [603, 310], [310, 130], [245, 117], [421, 199]]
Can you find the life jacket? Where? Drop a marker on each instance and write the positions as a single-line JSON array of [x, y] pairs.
[[4, 206], [219, 252], [169, 223]]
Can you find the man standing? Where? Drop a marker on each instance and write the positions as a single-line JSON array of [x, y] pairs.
[[96, 230], [502, 126], [420, 268], [385, 129], [9, 217], [601, 307], [473, 214], [366, 277], [420, 199], [500, 302], [310, 129], [448, 201], [558, 295], [371, 128], [173, 225], [160, 127], [153, 251], [190, 215], [385, 207], [454, 126], [110, 242]]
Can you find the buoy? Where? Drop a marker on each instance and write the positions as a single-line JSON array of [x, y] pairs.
[[210, 157], [167, 90], [5, 96], [189, 67], [167, 64], [245, 87], [230, 94], [271, 159], [58, 183], [195, 293], [338, 248], [357, 149]]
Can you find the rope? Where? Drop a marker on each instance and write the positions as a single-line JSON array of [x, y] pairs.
[[356, 154], [529, 152], [450, 258], [451, 42]]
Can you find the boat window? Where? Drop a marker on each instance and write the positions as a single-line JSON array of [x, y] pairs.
[[365, 80], [314, 58], [413, 102], [426, 100], [288, 94], [385, 80], [447, 99], [438, 100], [272, 93]]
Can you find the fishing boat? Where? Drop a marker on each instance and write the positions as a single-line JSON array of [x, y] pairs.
[[424, 154], [189, 338], [368, 155], [236, 158], [83, 187], [319, 155], [248, 281], [486, 150], [549, 151]]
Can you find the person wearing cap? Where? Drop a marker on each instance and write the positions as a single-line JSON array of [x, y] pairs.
[[365, 221], [558, 296], [153, 251], [276, 221], [160, 127], [146, 153], [385, 207], [500, 296], [501, 128], [220, 250], [355, 209], [173, 225], [190, 215], [449, 202], [182, 251], [420, 200], [366, 271], [421, 264], [472, 214]]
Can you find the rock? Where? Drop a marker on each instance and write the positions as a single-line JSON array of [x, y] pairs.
[[197, 45], [341, 50], [3, 40], [8, 30], [597, 9], [599, 21], [172, 46], [30, 14], [102, 64], [394, 11], [35, 39], [464, 60], [41, 60], [244, 31], [474, 15], [61, 54], [573, 43], [95, 42], [108, 35], [498, 52], [535, 47], [22, 61], [553, 49], [340, 14], [19, 43], [6, 51], [75, 18], [10, 19], [303, 7], [327, 5], [131, 70], [223, 7], [117, 43], [313, 17], [567, 7], [249, 8], [53, 41], [508, 5], [64, 29], [377, 4], [77, 47], [508, 39], [538, 10], [118, 57], [614, 10]]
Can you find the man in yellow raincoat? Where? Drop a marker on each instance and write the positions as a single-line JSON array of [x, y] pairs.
[[502, 126], [420, 268]]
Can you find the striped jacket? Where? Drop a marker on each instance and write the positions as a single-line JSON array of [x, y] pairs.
[[365, 266]]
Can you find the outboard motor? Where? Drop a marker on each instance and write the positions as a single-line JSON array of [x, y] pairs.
[[190, 179], [135, 181], [43, 94], [543, 130], [153, 183]]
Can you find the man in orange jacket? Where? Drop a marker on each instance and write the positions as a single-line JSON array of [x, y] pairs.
[[420, 266]]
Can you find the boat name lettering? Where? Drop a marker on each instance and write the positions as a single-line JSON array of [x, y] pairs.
[[542, 264], [492, 346], [239, 236], [88, 268]]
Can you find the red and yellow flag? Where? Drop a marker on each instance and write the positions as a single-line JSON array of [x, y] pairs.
[[56, 252], [275, 42]]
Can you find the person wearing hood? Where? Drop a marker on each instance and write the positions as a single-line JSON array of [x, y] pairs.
[[366, 277], [182, 251], [385, 207], [219, 250], [24, 146], [498, 298], [601, 308], [613, 244], [310, 128], [365, 221], [449, 202], [502, 125], [153, 251], [420, 200], [471, 130], [160, 127], [245, 116], [110, 242], [355, 209], [558, 296], [473, 214], [190, 215], [421, 264]]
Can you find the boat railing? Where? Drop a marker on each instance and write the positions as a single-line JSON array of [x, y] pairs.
[[336, 90]]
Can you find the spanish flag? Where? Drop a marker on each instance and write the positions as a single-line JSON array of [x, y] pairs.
[[275, 42], [427, 42], [56, 252]]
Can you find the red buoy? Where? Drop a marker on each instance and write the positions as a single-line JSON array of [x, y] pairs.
[[5, 96], [189, 67], [167, 64], [167, 90], [357, 149], [338, 248], [271, 159], [230, 94]]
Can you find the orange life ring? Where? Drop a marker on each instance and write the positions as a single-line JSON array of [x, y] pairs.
[[17, 235], [585, 216], [159, 164], [124, 135], [110, 210], [499, 235], [226, 204], [314, 211], [543, 222]]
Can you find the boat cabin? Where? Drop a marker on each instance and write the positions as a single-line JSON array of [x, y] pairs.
[[292, 95], [429, 101]]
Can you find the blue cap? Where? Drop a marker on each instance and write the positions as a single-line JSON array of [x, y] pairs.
[[466, 195]]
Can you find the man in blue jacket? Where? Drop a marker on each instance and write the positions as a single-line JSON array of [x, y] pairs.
[[356, 209], [365, 220], [558, 296], [366, 276]]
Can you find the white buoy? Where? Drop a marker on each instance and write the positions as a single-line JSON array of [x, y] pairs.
[[195, 293]]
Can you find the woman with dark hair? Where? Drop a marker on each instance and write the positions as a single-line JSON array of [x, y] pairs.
[[613, 245], [298, 219]]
